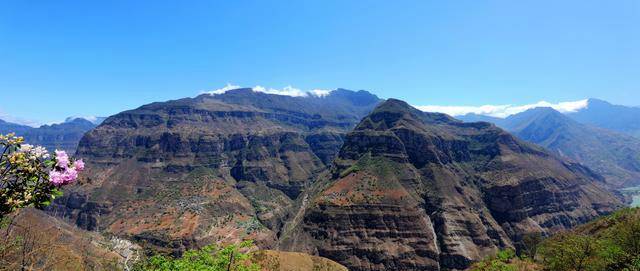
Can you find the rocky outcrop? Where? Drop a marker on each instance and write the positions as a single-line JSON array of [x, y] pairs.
[[420, 191]]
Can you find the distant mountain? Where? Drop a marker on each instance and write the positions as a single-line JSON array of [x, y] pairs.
[[603, 114], [472, 117], [422, 191], [94, 120], [614, 155], [9, 127], [224, 167], [63, 136]]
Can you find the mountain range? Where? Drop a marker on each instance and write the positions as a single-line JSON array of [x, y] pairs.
[[615, 155], [599, 113], [187, 172], [372, 184], [369, 183], [596, 113], [63, 136]]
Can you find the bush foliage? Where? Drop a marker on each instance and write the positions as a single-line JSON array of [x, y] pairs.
[[209, 258], [609, 243], [30, 176]]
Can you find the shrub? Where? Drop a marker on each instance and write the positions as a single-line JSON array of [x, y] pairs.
[[209, 258], [609, 243], [30, 176]]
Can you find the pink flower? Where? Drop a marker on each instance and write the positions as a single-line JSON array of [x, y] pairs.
[[56, 178], [79, 165], [71, 174], [62, 159], [65, 172]]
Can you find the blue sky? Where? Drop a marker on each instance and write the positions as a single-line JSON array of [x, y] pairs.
[[62, 58]]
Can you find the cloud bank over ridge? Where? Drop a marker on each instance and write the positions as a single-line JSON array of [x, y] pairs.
[[503, 111], [9, 118], [286, 91], [499, 111]]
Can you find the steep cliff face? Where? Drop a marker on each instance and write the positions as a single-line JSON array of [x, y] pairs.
[[420, 191], [214, 167]]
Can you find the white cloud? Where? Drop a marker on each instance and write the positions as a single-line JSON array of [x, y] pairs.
[[320, 92], [22, 121], [286, 91], [503, 111], [222, 90]]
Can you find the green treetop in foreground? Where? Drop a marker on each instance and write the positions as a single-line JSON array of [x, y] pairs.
[[209, 258]]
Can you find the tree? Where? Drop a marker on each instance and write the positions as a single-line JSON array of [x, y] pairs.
[[568, 251], [530, 244]]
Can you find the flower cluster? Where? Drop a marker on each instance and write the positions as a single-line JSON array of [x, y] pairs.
[[31, 176], [65, 171], [10, 139], [34, 152]]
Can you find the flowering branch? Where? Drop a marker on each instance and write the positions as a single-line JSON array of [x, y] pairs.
[[30, 176]]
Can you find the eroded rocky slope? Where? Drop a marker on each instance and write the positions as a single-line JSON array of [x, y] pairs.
[[212, 168], [421, 191], [405, 190]]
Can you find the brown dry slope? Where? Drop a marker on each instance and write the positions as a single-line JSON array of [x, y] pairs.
[[420, 191], [36, 241], [271, 260]]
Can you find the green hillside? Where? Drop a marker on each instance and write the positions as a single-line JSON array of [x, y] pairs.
[[609, 243]]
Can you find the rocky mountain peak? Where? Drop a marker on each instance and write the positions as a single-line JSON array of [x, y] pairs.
[[392, 111], [422, 191], [594, 102]]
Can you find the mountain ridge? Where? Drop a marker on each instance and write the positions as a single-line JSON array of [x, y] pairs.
[[613, 154], [422, 191], [225, 167], [600, 113], [372, 184], [63, 136]]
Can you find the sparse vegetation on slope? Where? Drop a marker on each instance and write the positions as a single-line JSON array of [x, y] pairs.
[[238, 258], [609, 243], [32, 240]]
